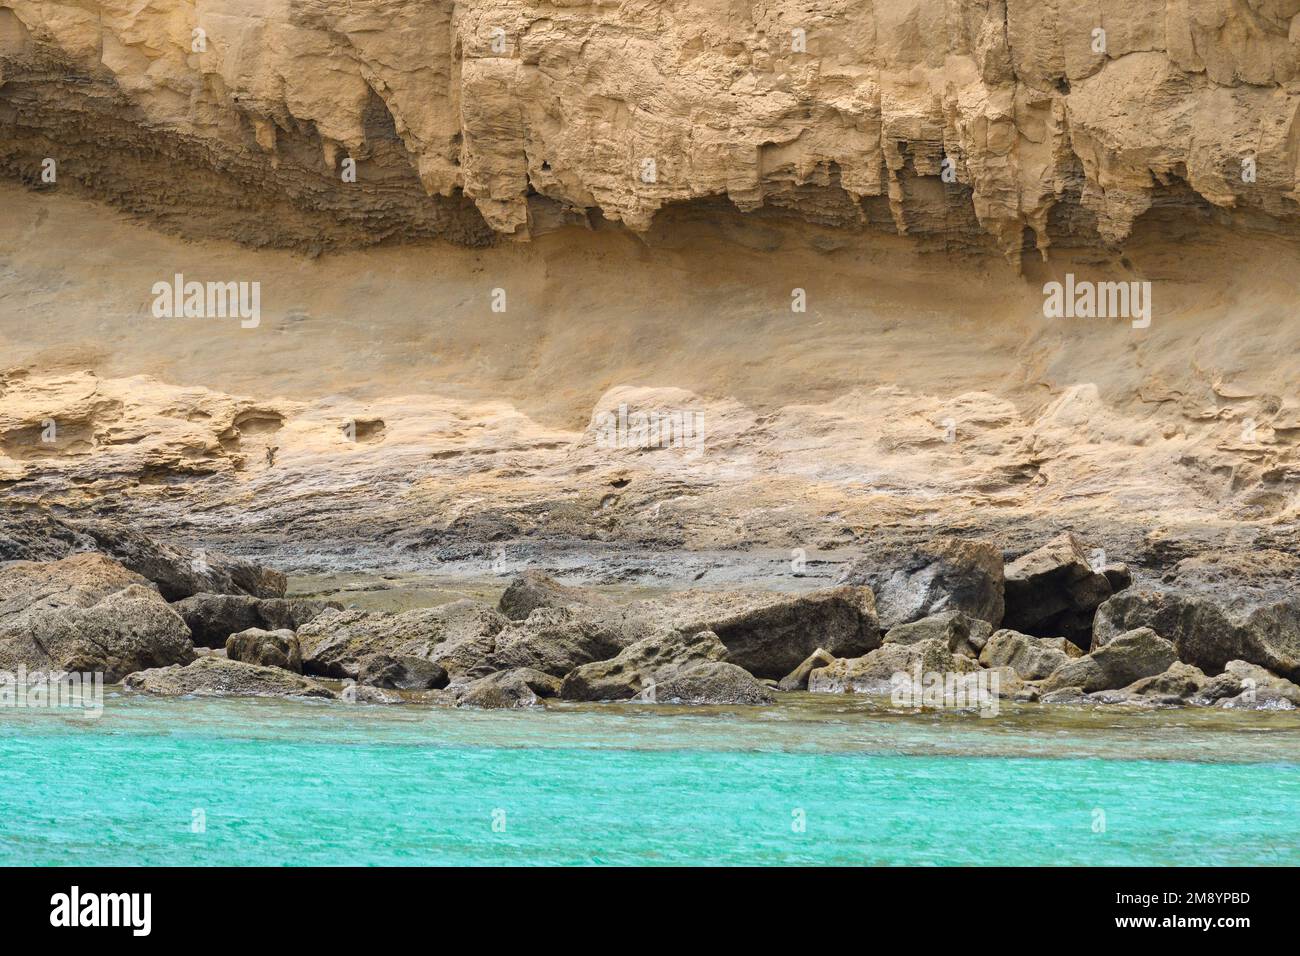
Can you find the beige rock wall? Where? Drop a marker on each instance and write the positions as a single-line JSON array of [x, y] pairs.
[[841, 111]]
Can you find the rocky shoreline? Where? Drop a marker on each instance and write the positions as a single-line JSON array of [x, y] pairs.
[[1055, 625]]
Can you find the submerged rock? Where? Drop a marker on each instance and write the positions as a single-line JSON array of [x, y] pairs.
[[1055, 591], [1032, 658], [214, 617], [1130, 657], [266, 648], [646, 662], [86, 613], [947, 574], [1209, 631], [219, 677]]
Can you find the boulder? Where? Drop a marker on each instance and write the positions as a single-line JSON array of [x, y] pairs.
[[651, 660], [521, 687], [962, 634], [266, 649], [1254, 677], [179, 571], [1130, 657], [712, 682], [946, 574], [219, 677], [1054, 591], [1032, 658], [873, 673], [214, 617], [534, 589], [86, 613], [770, 633], [400, 673], [1180, 682], [455, 636], [1210, 631], [556, 640]]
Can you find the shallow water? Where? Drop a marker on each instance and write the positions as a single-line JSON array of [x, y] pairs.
[[812, 780]]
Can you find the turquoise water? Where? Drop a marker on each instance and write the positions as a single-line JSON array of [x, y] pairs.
[[325, 783]]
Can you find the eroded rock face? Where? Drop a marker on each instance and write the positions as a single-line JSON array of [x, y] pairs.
[[218, 677], [1054, 590], [212, 618], [972, 117], [266, 649], [86, 613], [179, 572], [1210, 630], [950, 574]]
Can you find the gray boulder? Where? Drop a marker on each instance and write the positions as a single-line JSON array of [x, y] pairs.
[[1032, 658], [1180, 682], [1130, 657], [179, 571], [556, 640], [1254, 677], [400, 673], [534, 589], [1054, 591], [456, 636], [212, 618], [220, 677], [521, 687], [712, 682], [1211, 631], [962, 634], [651, 660], [86, 613], [265, 649], [873, 673], [947, 574], [770, 633]]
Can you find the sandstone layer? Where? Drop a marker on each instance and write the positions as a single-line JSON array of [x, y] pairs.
[[970, 122]]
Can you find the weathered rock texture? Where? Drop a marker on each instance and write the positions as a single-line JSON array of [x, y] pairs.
[[467, 119], [86, 613]]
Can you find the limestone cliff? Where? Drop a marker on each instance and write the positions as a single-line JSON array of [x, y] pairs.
[[972, 122]]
